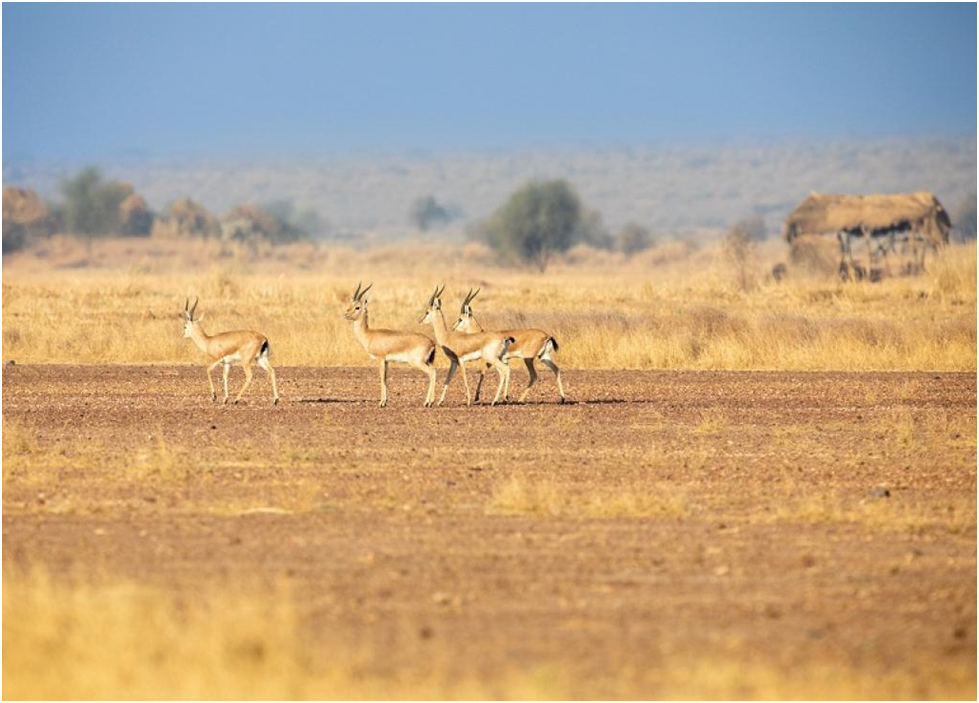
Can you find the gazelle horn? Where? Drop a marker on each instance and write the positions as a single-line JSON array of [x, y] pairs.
[[193, 309], [364, 292], [357, 292]]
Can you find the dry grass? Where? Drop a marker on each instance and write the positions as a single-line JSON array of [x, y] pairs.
[[121, 304], [159, 466], [520, 495], [220, 645], [20, 447], [712, 421], [899, 512]]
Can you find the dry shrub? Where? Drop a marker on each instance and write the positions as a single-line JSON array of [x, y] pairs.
[[666, 253]]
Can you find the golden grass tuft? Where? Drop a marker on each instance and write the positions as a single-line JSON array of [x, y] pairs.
[[899, 512], [522, 496], [712, 421], [120, 640], [20, 447]]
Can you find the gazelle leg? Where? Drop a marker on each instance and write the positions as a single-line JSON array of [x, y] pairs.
[[453, 366], [479, 384], [506, 386], [210, 381], [557, 372], [248, 381], [501, 369], [430, 396], [263, 361], [429, 371], [465, 382], [224, 377], [531, 381], [384, 382]]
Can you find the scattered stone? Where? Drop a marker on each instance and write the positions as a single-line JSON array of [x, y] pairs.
[[11, 362], [880, 492]]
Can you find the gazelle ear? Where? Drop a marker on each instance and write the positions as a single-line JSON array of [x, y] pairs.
[[364, 300], [201, 318]]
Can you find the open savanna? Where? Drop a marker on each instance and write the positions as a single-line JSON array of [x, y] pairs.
[[758, 490], [119, 301]]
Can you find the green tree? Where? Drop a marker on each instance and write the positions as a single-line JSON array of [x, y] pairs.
[[296, 224], [91, 204], [633, 239], [426, 212], [538, 220]]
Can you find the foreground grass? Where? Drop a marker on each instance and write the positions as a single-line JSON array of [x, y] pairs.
[[670, 308], [110, 639]]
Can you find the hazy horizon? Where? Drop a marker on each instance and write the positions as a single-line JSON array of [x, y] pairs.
[[692, 192]]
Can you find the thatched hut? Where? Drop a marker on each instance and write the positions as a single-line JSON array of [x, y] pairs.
[[889, 224]]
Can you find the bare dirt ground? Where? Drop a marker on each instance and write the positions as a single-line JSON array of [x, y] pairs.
[[793, 521]]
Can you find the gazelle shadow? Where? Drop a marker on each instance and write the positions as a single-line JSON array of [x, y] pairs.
[[332, 400]]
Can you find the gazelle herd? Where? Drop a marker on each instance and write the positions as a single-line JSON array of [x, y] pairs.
[[465, 341]]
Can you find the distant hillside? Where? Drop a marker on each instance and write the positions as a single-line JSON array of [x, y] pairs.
[[678, 190]]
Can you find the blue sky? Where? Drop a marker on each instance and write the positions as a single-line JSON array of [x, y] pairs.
[[103, 81]]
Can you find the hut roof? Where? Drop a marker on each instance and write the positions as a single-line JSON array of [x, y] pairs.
[[828, 214]]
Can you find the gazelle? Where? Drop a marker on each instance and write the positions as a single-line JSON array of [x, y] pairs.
[[528, 344], [228, 347], [460, 348], [387, 345]]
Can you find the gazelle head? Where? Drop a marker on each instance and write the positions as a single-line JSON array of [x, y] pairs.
[[465, 321], [358, 304], [189, 321], [434, 305]]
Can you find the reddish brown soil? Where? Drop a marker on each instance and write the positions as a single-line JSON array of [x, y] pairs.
[[384, 523]]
